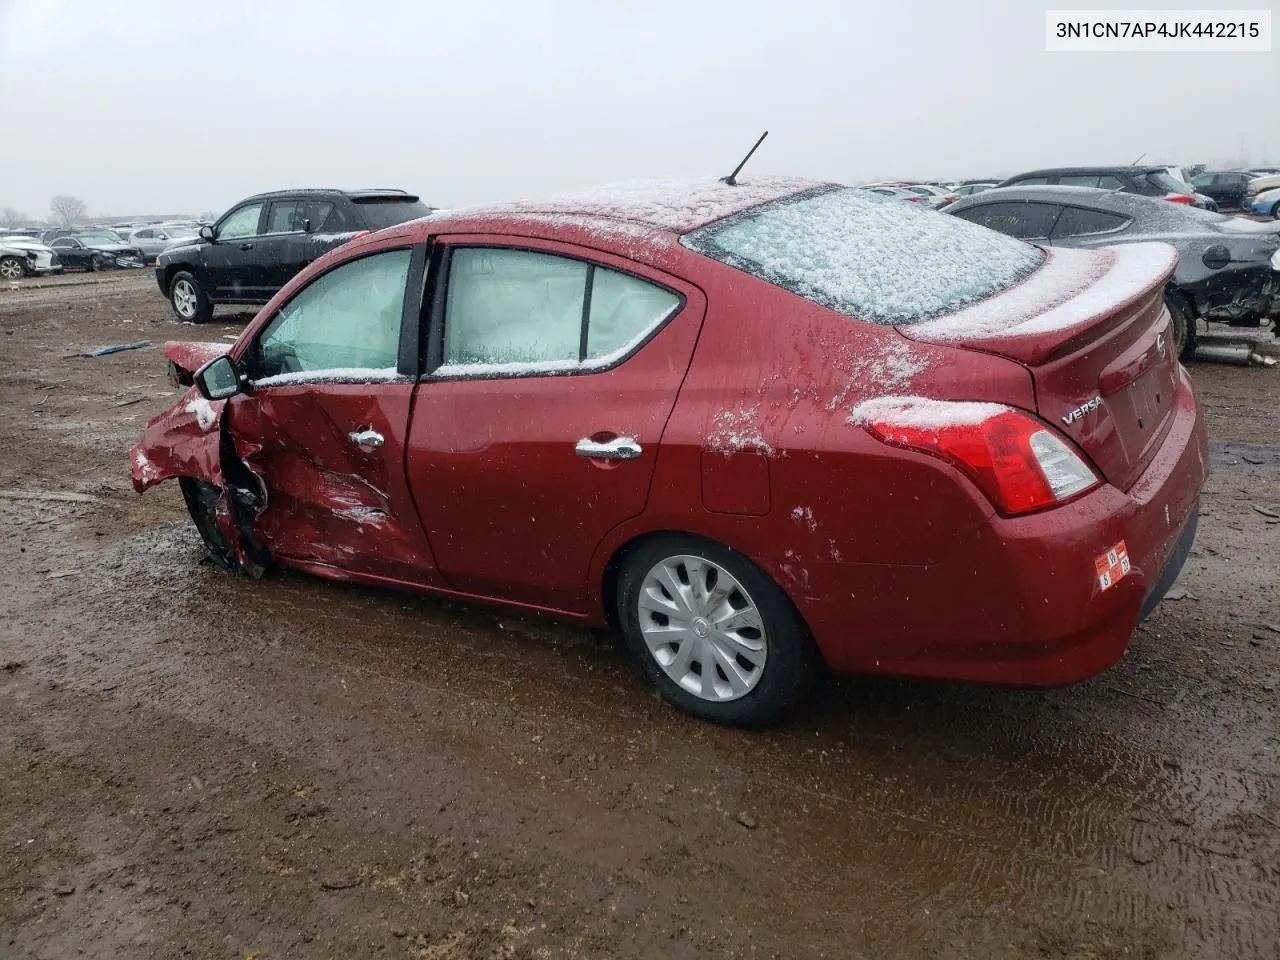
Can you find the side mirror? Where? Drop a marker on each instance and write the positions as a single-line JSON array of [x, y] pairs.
[[220, 378], [306, 226], [206, 233]]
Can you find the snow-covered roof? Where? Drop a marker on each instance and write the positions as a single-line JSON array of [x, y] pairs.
[[676, 206]]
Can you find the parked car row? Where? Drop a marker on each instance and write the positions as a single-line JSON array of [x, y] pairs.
[[948, 453]]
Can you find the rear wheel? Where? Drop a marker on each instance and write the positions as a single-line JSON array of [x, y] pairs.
[[1275, 211], [190, 302], [1184, 325], [11, 268], [713, 633], [202, 503]]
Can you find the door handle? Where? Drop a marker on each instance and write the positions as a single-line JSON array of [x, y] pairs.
[[369, 438], [246, 246], [619, 448]]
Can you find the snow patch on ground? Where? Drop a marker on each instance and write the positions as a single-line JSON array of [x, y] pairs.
[[924, 413]]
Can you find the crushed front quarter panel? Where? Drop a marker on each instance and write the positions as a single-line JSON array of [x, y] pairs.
[[182, 442]]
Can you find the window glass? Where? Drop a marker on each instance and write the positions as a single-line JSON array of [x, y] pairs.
[[347, 321], [1166, 182], [1027, 221], [624, 310], [1077, 222], [1108, 182], [870, 258], [1079, 181], [64, 243], [513, 307], [1029, 181], [280, 219], [145, 234], [1204, 180], [325, 217], [241, 223], [381, 213]]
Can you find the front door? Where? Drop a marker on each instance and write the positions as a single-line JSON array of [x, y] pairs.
[[537, 429], [232, 261], [324, 424]]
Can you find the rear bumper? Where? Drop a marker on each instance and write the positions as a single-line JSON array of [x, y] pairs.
[[1020, 601]]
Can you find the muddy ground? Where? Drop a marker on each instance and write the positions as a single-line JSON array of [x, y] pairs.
[[194, 764]]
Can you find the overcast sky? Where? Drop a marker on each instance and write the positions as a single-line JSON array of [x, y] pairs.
[[139, 106]]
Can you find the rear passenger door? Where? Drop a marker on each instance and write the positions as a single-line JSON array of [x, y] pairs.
[[281, 246]]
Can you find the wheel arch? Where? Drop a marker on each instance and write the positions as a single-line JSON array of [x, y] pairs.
[[610, 575], [171, 270]]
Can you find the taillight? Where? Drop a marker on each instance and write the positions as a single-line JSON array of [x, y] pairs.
[[1018, 462], [1180, 198]]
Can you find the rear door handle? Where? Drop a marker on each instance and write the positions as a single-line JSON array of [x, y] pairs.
[[368, 438], [619, 448]]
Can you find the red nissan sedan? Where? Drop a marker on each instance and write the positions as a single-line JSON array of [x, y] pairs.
[[758, 428]]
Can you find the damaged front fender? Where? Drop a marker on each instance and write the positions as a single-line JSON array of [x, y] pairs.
[[184, 441]]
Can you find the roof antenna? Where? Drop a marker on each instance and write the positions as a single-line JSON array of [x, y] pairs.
[[1140, 156], [732, 179]]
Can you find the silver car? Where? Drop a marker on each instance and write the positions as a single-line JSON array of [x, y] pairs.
[[157, 238], [26, 256]]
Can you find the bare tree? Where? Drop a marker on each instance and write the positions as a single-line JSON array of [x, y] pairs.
[[11, 217], [67, 210]]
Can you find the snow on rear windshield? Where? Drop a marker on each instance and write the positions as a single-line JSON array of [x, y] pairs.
[[869, 257]]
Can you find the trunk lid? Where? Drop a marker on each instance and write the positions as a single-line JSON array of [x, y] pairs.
[[1091, 327]]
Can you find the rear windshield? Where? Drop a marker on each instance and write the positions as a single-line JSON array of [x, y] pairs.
[[1168, 182], [869, 257], [379, 212]]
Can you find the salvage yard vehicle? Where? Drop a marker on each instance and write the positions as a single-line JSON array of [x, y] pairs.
[[1228, 267], [259, 244], [1266, 204], [1147, 181], [155, 239], [24, 257], [94, 251], [757, 427]]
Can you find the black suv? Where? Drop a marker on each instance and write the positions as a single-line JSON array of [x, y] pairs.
[[257, 246], [1151, 181]]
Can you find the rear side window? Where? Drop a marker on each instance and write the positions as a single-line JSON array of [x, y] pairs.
[[1108, 182], [1085, 181], [868, 257], [1079, 222], [382, 212], [519, 311], [1025, 220], [1029, 181]]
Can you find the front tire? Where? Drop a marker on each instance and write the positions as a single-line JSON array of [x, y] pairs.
[[1275, 211], [202, 503], [11, 268], [713, 632], [189, 301]]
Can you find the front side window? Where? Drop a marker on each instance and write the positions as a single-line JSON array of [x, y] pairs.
[[65, 243], [518, 311], [241, 223], [1204, 180], [870, 258], [346, 323]]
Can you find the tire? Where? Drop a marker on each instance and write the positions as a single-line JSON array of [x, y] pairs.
[[781, 671], [202, 503], [1275, 211], [11, 268], [1184, 325], [93, 265], [189, 301]]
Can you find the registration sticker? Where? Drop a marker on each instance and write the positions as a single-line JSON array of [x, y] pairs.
[[1112, 566]]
